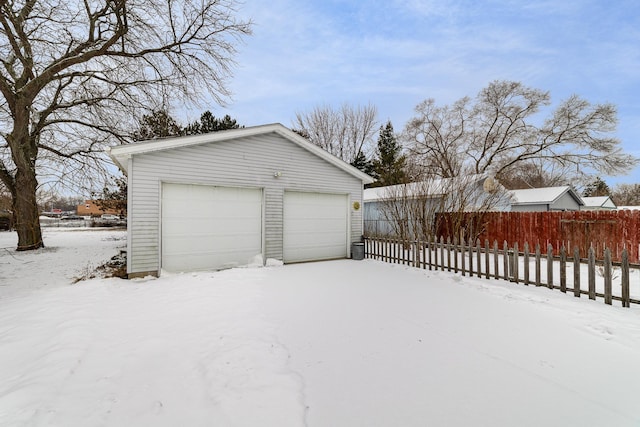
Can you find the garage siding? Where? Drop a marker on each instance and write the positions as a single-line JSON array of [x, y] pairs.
[[246, 162]]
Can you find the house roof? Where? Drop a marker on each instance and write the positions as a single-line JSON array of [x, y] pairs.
[[599, 202], [121, 153], [546, 195], [432, 188]]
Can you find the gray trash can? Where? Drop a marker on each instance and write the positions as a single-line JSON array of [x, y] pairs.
[[357, 251]]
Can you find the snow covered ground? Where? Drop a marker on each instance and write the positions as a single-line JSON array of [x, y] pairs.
[[341, 343]]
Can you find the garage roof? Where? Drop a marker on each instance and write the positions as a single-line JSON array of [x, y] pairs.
[[121, 153], [546, 195]]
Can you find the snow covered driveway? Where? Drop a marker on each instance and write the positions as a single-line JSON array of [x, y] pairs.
[[341, 343]]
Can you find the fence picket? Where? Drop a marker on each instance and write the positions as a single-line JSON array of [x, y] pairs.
[[470, 257], [538, 255], [441, 253], [496, 272], [462, 254], [455, 254], [576, 272], [550, 266], [607, 277], [625, 279], [449, 253], [563, 269], [592, 273], [487, 275], [505, 260], [515, 263], [424, 255], [526, 263], [478, 258]]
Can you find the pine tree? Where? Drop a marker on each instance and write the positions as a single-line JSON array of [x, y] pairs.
[[597, 188], [365, 165], [389, 166], [158, 124], [210, 123]]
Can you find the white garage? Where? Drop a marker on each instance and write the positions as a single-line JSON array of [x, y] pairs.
[[315, 226], [208, 227], [217, 200]]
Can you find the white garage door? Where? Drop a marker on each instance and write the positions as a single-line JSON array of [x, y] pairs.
[[206, 227], [315, 226]]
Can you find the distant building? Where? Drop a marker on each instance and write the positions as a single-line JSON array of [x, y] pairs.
[[546, 199], [91, 208], [598, 203]]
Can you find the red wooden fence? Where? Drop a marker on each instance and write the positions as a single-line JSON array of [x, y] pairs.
[[601, 229]]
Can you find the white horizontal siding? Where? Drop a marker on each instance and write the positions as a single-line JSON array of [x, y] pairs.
[[247, 162]]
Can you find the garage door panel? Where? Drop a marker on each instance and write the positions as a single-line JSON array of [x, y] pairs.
[[207, 227], [315, 226]]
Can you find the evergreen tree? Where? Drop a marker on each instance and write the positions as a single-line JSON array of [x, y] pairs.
[[210, 123], [597, 188], [389, 167], [365, 165], [158, 124]]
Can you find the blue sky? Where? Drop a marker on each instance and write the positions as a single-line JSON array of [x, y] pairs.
[[395, 54]]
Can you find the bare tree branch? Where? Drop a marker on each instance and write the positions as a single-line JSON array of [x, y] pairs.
[[498, 133]]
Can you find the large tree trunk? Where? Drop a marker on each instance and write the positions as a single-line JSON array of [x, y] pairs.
[[25, 211], [24, 151]]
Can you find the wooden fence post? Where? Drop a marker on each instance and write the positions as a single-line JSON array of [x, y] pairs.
[[462, 255], [526, 263], [496, 270], [576, 272], [625, 279], [538, 281], [607, 277], [592, 273], [479, 258], [563, 269], [515, 262], [430, 243], [470, 257], [486, 259], [505, 260], [449, 253], [424, 255], [441, 253], [550, 266], [455, 254]]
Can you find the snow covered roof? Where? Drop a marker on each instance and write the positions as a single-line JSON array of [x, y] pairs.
[[598, 202], [546, 195], [121, 153], [431, 189]]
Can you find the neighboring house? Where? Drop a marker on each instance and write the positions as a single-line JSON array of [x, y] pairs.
[[562, 198], [386, 209], [598, 203], [90, 208], [228, 198]]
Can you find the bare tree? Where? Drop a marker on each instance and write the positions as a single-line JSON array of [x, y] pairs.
[[77, 76], [626, 195], [345, 133], [497, 133], [538, 173], [452, 206]]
